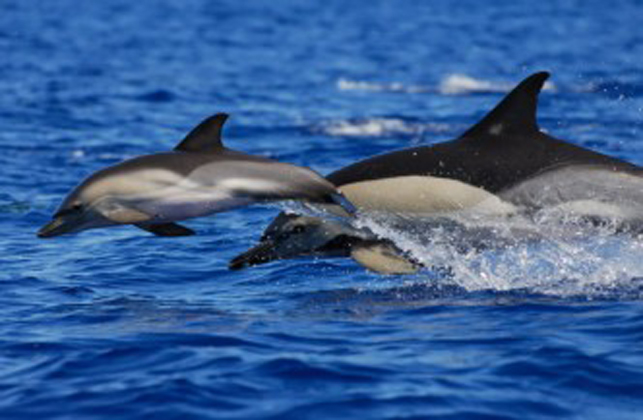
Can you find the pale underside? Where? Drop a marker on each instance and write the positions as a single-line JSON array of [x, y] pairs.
[[160, 195], [587, 191]]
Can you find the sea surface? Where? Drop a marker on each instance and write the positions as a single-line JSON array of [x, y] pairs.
[[118, 324]]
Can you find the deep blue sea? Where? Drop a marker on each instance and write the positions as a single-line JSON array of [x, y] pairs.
[[119, 324]]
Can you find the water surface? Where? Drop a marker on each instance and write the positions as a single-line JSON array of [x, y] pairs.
[[116, 323]]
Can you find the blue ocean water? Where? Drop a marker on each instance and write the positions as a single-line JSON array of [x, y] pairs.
[[116, 323]]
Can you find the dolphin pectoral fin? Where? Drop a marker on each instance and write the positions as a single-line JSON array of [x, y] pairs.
[[165, 229], [383, 258]]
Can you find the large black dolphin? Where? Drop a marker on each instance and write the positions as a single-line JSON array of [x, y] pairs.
[[502, 164], [198, 178]]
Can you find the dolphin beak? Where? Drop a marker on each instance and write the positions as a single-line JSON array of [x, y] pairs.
[[261, 253], [56, 227]]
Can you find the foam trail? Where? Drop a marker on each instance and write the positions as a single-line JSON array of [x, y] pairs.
[[459, 84], [561, 258], [452, 84], [345, 84], [379, 127]]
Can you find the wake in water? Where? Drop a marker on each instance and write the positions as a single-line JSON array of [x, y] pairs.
[[539, 252], [379, 127], [464, 84], [453, 84]]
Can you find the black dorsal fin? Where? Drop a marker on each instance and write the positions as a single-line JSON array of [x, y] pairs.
[[205, 137], [515, 114]]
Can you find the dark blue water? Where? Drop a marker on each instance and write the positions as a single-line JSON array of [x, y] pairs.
[[116, 323]]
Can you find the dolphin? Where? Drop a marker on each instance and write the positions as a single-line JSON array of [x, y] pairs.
[[501, 166], [295, 236], [199, 177]]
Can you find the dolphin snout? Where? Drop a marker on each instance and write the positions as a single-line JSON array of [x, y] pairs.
[[261, 253], [56, 227]]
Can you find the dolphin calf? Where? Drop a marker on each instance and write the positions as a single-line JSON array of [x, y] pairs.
[[502, 165], [199, 177], [296, 236]]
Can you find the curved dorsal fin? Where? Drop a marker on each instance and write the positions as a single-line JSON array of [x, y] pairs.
[[205, 137], [515, 114]]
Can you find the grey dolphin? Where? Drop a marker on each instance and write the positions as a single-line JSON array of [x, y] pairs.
[[200, 177], [294, 236], [502, 164]]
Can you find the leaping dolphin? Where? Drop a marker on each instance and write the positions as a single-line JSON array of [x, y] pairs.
[[501, 165], [200, 177]]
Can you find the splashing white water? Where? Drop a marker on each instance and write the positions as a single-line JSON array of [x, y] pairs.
[[563, 258]]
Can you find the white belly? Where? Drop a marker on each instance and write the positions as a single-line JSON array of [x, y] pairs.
[[423, 195], [177, 203]]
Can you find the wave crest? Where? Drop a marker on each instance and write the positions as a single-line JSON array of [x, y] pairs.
[[452, 84], [377, 127]]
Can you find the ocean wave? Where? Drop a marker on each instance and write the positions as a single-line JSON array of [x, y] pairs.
[[452, 84], [460, 84], [345, 84], [377, 127]]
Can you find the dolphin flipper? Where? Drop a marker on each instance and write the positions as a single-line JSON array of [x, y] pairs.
[[383, 258], [166, 229]]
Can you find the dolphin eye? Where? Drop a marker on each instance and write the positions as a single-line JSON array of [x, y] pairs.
[[298, 229], [70, 210]]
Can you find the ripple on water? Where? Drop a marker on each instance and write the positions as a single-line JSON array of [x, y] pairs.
[[115, 323]]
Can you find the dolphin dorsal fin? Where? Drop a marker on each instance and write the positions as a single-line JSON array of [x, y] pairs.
[[515, 114], [205, 137]]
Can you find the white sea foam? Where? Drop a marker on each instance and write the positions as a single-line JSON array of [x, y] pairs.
[[564, 258], [453, 84], [375, 127], [345, 84], [456, 84]]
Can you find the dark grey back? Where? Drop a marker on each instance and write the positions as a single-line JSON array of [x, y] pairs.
[[504, 148]]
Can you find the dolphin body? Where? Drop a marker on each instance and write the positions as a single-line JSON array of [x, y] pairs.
[[200, 177], [502, 165], [296, 236]]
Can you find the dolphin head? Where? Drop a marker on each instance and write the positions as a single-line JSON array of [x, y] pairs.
[[292, 236], [99, 201], [79, 211]]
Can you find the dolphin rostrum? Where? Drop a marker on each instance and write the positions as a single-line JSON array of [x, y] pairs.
[[199, 177]]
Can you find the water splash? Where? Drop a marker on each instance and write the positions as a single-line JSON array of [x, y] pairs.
[[564, 257]]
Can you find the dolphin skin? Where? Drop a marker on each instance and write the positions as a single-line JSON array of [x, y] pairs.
[[296, 236], [501, 165], [199, 177]]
